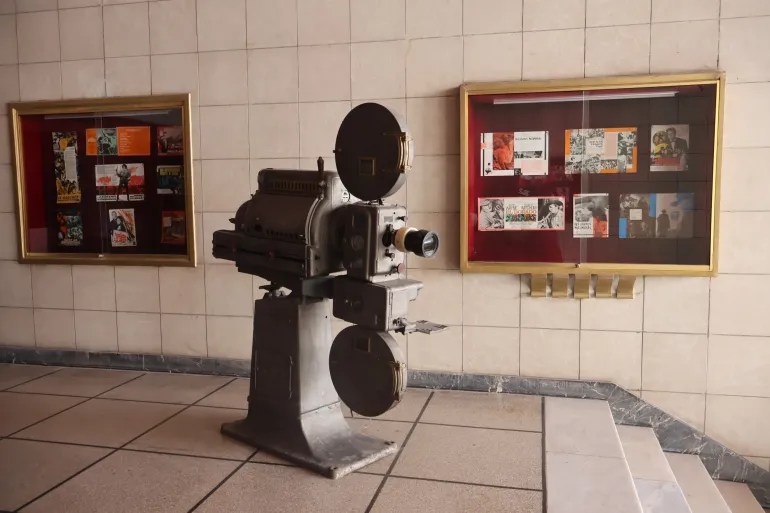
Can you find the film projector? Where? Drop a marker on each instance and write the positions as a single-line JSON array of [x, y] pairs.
[[330, 239]]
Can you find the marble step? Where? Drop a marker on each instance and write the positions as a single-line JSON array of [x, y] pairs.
[[585, 468], [699, 490], [654, 480], [738, 497]]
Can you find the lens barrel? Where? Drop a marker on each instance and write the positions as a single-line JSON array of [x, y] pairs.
[[422, 243]]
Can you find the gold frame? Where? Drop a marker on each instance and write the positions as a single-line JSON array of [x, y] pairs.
[[96, 105], [588, 84]]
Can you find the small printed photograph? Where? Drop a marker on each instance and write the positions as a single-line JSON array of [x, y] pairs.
[[70, 228], [550, 213], [670, 146], [590, 216], [101, 141], [573, 164], [496, 153], [65, 164], [173, 229], [674, 215], [491, 214], [637, 216], [170, 140], [521, 213], [122, 227], [514, 153], [170, 180], [119, 182]]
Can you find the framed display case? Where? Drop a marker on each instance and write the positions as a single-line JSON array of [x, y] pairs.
[[105, 180], [607, 176]]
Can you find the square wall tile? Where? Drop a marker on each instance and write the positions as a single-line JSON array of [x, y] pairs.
[[83, 79], [323, 22], [223, 78], [257, 165], [740, 49], [550, 353], [94, 287], [741, 8], [70, 4], [743, 181], [689, 408], [274, 130], [55, 329], [183, 335], [318, 125], [324, 73], [600, 13], [81, 34], [541, 49], [139, 333], [434, 125], [17, 327], [378, 70], [738, 366], [674, 363], [446, 225], [228, 292], [743, 103], [96, 331], [224, 132], [9, 92], [377, 20], [35, 5], [212, 222], [684, 10], [5, 139], [434, 184], [172, 27], [177, 73], [490, 299], [137, 289], [740, 250], [269, 27], [221, 25], [229, 337], [492, 16], [741, 423], [480, 54], [603, 58], [441, 351], [8, 44], [684, 46], [549, 312], [490, 350], [614, 356], [676, 305], [441, 299], [434, 67], [40, 81], [9, 247], [7, 199], [434, 18], [225, 184], [126, 30], [52, 286], [554, 14], [614, 314], [739, 305], [15, 284], [38, 36], [182, 290], [273, 75], [128, 76]]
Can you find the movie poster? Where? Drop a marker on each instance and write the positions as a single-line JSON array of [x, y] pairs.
[[170, 140], [670, 145], [173, 229], [590, 217], [170, 180], [119, 182], [101, 141], [637, 217], [65, 158], [600, 150], [70, 228], [514, 153], [122, 227], [521, 213], [656, 215], [122, 141]]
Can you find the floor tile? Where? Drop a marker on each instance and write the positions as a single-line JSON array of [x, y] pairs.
[[409, 408], [580, 426], [31, 468], [275, 488], [502, 411], [78, 381], [101, 422], [473, 455], [660, 496], [168, 388], [21, 410], [400, 495], [578, 483], [15, 374], [196, 432], [233, 395], [131, 482]]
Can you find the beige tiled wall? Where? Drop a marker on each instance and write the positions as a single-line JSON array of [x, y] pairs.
[[272, 79]]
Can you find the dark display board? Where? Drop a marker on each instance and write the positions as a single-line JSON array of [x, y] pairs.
[[581, 175]]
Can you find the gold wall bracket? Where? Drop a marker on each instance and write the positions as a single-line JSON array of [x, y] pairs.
[[604, 286]]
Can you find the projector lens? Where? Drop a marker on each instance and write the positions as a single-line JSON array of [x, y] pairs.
[[422, 243]]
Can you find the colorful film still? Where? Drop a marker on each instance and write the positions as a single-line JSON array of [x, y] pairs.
[[173, 228], [65, 158], [656, 215], [600, 150], [590, 215], [70, 228], [521, 213], [170, 180], [120, 182], [514, 153], [122, 227], [670, 145], [170, 140]]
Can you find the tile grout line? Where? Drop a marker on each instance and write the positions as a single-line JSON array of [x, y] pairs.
[[398, 454], [542, 455], [30, 380], [223, 481]]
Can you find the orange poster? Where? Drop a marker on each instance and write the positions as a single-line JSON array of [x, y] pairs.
[[133, 140]]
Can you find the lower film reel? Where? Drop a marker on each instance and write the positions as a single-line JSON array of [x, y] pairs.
[[368, 370]]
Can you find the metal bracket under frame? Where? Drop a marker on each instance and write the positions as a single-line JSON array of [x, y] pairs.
[[604, 286]]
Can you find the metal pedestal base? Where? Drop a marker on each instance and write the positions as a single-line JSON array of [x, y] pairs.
[[294, 411]]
